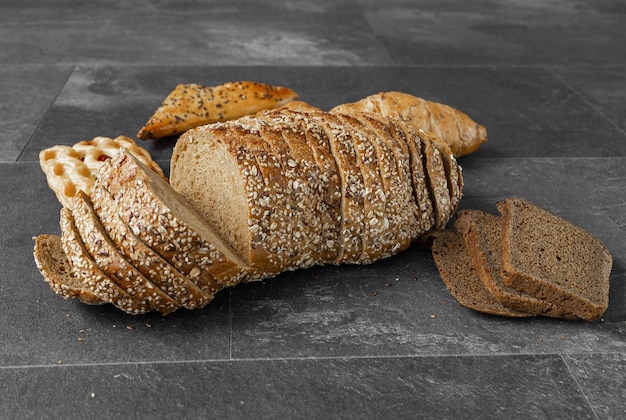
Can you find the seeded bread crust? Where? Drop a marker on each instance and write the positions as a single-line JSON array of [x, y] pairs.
[[329, 183], [296, 220], [108, 257], [164, 220], [57, 271], [438, 182], [192, 105], [94, 279], [401, 211], [551, 259], [459, 274], [352, 186], [170, 285], [482, 233]]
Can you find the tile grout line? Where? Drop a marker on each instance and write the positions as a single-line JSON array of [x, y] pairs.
[[296, 359], [580, 388], [583, 98], [72, 69]]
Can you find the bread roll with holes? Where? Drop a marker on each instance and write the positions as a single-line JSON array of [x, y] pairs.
[[70, 169]]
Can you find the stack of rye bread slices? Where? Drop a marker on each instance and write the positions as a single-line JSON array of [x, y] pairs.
[[525, 262], [246, 200]]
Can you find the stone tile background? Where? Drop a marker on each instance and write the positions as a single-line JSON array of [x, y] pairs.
[[546, 78]]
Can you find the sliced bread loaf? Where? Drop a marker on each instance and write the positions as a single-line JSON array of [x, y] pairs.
[[181, 290], [551, 259], [165, 221], [110, 260], [93, 278]]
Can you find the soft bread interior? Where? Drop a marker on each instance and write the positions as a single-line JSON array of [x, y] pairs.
[[215, 189]]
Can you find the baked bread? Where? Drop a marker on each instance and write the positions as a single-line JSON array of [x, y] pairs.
[[57, 271], [70, 169], [163, 220], [192, 105], [551, 259], [216, 167], [459, 274], [482, 233], [131, 271], [248, 199], [457, 129]]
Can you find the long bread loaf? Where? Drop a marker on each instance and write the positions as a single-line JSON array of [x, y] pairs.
[[249, 186]]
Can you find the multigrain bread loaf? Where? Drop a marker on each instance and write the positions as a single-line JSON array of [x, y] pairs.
[[217, 166], [457, 129], [249, 199], [528, 260], [552, 259]]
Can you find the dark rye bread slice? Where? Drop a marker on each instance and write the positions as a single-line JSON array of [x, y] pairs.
[[181, 290], [460, 276], [57, 271], [94, 279], [482, 233], [437, 181], [551, 259], [165, 221], [108, 257]]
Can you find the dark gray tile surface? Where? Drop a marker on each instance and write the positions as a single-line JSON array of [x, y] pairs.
[[385, 340]]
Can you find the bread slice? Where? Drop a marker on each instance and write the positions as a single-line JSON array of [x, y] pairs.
[[352, 186], [300, 187], [376, 223], [460, 276], [482, 233], [165, 221], [108, 257], [181, 289], [93, 278], [551, 259], [329, 182], [57, 271]]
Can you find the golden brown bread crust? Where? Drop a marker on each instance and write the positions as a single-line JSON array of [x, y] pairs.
[[192, 105], [457, 129], [70, 169]]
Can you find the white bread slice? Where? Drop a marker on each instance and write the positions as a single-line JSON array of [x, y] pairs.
[[165, 221], [57, 271]]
